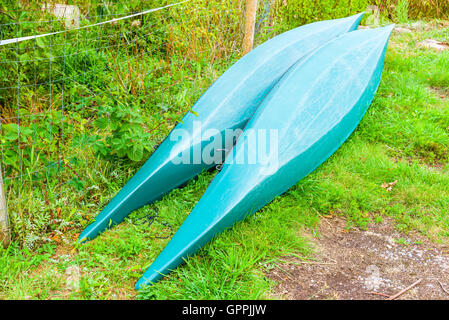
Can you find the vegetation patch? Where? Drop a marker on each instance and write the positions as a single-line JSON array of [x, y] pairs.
[[69, 146]]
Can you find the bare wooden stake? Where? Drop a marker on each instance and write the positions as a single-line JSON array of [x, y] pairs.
[[404, 291], [250, 13], [441, 285], [5, 235], [379, 294]]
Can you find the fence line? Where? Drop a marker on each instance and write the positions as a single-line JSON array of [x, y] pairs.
[[5, 237], [20, 39], [56, 94]]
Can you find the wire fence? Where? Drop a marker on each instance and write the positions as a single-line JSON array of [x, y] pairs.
[[81, 105]]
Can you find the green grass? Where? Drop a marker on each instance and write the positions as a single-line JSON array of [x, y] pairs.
[[404, 136]]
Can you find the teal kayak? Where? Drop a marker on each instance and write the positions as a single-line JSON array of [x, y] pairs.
[[310, 112], [227, 104]]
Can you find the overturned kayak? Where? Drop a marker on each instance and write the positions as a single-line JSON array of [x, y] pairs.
[[305, 118], [227, 104]]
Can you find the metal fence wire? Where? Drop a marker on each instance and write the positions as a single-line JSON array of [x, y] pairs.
[[83, 105]]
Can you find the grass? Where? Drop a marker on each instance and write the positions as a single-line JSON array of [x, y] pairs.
[[404, 136]]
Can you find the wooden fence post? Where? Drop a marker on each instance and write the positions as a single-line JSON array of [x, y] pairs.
[[5, 234], [250, 21]]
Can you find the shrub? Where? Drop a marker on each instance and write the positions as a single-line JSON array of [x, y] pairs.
[[417, 9], [295, 13]]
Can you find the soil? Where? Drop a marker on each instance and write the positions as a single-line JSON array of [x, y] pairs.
[[442, 93], [371, 264]]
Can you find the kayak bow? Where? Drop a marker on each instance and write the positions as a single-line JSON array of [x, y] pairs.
[[314, 108]]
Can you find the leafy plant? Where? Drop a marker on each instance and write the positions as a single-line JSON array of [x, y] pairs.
[[124, 134]]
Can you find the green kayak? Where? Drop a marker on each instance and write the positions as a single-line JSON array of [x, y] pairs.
[[227, 104], [304, 119]]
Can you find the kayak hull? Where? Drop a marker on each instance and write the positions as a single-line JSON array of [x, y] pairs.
[[226, 105], [314, 108]]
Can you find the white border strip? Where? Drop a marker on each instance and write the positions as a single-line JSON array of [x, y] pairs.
[[15, 40]]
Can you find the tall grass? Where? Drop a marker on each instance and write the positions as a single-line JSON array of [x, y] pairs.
[[417, 9], [402, 9]]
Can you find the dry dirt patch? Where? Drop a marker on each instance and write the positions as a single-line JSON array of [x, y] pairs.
[[353, 264], [442, 93]]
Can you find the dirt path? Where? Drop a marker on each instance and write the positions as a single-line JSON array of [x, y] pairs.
[[351, 264]]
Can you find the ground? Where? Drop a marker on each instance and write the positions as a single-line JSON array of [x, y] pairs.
[[378, 261], [373, 218], [357, 264]]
